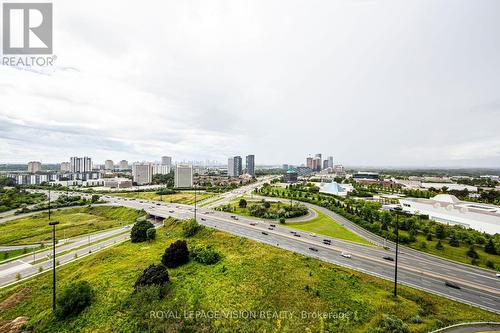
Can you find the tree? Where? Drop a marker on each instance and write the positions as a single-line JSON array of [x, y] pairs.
[[205, 255], [176, 254], [440, 231], [242, 203], [151, 234], [490, 247], [153, 275], [439, 245], [95, 198], [471, 253], [282, 220], [454, 241], [190, 228], [139, 231], [73, 299]]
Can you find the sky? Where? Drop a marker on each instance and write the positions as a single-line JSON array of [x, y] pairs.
[[410, 83]]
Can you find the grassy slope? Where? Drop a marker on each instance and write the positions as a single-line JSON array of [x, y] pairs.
[[73, 222], [324, 225], [251, 276], [186, 198]]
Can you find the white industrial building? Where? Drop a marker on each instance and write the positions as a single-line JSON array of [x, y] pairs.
[[448, 209], [335, 188]]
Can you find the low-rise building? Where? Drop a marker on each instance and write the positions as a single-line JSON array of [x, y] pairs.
[[448, 209]]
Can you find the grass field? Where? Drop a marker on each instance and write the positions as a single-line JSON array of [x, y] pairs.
[[5, 255], [186, 198], [250, 277], [73, 222], [324, 225]]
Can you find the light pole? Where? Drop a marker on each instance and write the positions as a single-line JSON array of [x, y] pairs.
[[397, 210], [53, 224], [49, 203], [195, 203]]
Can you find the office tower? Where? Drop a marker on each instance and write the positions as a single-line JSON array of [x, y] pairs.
[[34, 167], [108, 165], [123, 165], [285, 167], [325, 164], [330, 161], [183, 175], [166, 160], [65, 167], [142, 173], [309, 163], [234, 166], [318, 156], [250, 165], [80, 164]]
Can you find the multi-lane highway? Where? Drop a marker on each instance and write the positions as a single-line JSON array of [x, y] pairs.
[[478, 287]]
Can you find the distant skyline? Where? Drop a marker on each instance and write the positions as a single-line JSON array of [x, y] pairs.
[[372, 83]]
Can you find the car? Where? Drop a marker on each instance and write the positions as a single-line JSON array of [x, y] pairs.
[[270, 228], [170, 211], [273, 225], [203, 219], [292, 232], [452, 284], [327, 241], [313, 249], [264, 233], [252, 223], [158, 204], [345, 255], [389, 258], [296, 235], [498, 275]]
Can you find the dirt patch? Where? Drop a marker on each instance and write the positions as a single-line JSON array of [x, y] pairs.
[[14, 326], [14, 299]]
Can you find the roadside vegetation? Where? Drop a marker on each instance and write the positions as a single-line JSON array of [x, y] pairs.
[[418, 232], [73, 222], [62, 201], [17, 198], [182, 197], [129, 288], [265, 209]]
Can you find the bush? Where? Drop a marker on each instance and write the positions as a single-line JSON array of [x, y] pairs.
[[151, 234], [439, 245], [471, 253], [139, 231], [490, 247], [73, 299], [282, 220], [393, 324], [176, 254], [242, 203], [153, 275], [205, 255], [190, 228]]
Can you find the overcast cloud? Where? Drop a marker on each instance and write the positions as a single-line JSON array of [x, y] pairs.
[[403, 83]]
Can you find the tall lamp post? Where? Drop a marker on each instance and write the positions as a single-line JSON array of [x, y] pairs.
[[396, 210], [195, 203], [53, 224], [49, 203]]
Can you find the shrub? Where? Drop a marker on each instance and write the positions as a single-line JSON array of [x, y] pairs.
[[153, 275], [490, 247], [139, 231], [205, 255], [73, 299], [176, 254], [242, 203], [190, 228], [471, 253], [282, 220], [151, 234], [439, 245]]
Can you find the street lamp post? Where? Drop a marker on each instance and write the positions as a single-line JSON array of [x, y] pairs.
[[49, 203], [397, 210], [53, 224], [195, 203]]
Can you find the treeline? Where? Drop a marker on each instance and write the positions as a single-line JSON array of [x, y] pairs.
[[16, 198]]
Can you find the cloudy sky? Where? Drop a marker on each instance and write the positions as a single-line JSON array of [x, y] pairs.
[[401, 83]]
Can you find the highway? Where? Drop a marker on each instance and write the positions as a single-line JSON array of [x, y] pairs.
[[478, 287]]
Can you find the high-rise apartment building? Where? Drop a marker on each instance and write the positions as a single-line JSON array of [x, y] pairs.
[[234, 166], [250, 165], [123, 165], [330, 161], [309, 162], [183, 176], [80, 164], [65, 167], [161, 169], [325, 164], [34, 167], [108, 165], [142, 173]]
